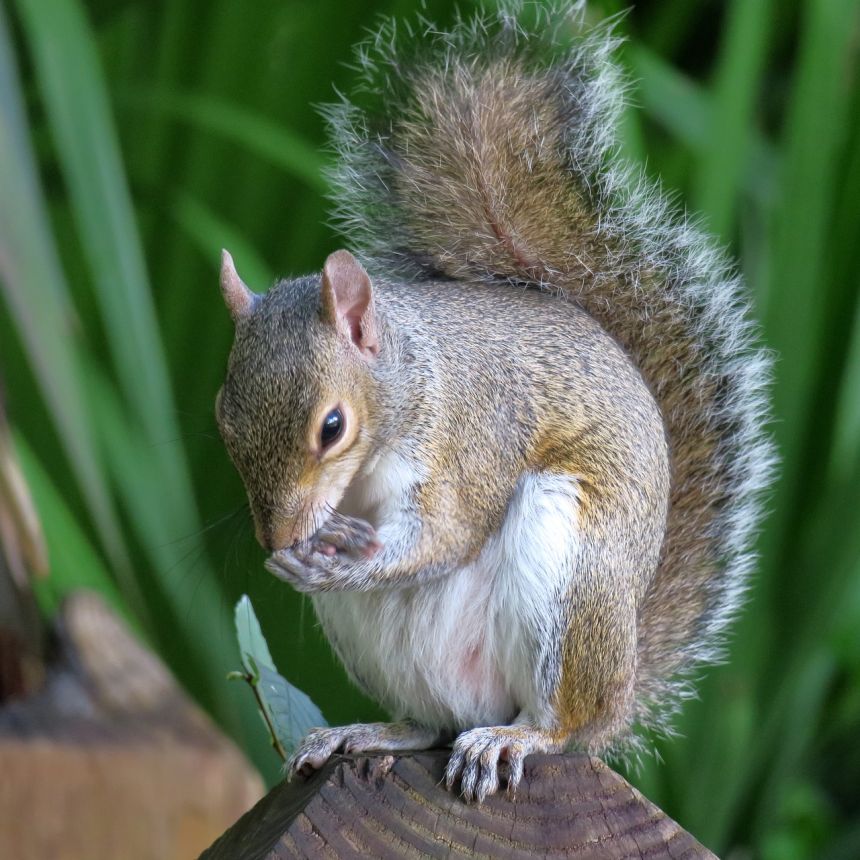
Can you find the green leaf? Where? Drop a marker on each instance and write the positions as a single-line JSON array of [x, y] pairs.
[[815, 129], [287, 709], [139, 427], [291, 710], [253, 648]]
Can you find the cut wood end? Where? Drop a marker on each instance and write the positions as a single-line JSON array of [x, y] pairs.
[[371, 806]]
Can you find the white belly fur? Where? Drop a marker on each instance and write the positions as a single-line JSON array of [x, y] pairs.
[[480, 645]]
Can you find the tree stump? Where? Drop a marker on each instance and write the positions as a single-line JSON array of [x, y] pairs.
[[381, 806]]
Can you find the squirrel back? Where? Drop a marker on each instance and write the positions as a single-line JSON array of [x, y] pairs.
[[498, 160]]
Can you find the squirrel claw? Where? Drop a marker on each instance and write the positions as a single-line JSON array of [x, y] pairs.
[[478, 753]]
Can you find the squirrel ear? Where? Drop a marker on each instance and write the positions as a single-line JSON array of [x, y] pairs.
[[240, 300], [347, 301]]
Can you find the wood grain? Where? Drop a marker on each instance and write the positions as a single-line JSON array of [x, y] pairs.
[[378, 806]]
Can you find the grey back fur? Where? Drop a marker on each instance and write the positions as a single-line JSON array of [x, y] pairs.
[[496, 158]]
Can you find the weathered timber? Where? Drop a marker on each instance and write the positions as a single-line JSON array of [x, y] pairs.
[[110, 760], [379, 806]]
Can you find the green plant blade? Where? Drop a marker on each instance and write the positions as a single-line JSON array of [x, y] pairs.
[[814, 132], [36, 293], [725, 154], [210, 234], [688, 112], [73, 562], [259, 135], [74, 94]]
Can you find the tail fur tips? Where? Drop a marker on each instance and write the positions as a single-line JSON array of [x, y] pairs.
[[495, 157]]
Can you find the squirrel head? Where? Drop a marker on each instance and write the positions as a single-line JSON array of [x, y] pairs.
[[296, 408]]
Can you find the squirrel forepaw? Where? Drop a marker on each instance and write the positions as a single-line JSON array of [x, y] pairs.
[[348, 535], [312, 569], [331, 560], [307, 568], [320, 744]]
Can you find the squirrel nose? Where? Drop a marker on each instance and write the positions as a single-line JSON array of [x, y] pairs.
[[276, 536]]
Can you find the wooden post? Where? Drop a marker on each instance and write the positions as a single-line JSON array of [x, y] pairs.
[[386, 807], [110, 760]]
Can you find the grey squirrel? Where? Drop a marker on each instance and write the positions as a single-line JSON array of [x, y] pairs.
[[515, 454]]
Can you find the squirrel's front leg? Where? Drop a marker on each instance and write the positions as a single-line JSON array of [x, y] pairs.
[[334, 559], [320, 744]]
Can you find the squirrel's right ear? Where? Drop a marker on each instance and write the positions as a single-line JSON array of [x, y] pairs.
[[347, 301], [240, 300]]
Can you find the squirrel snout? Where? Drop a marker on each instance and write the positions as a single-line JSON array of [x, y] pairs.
[[277, 536]]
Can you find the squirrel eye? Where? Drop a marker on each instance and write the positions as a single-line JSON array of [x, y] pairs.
[[332, 427]]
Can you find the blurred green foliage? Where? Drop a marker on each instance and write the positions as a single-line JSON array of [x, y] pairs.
[[138, 138]]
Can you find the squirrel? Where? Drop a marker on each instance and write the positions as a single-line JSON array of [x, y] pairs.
[[514, 445]]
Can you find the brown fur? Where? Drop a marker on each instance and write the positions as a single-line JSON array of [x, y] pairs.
[[497, 161], [537, 310]]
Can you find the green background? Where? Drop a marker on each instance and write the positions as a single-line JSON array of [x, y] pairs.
[[138, 138]]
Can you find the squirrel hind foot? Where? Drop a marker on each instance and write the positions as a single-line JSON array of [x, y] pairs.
[[479, 756]]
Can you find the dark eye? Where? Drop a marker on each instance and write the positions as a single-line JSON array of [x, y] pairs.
[[332, 427]]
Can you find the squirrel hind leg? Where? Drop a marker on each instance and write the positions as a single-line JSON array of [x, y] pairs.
[[319, 745], [480, 754], [596, 695]]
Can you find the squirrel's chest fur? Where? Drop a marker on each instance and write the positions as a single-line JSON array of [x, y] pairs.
[[460, 650]]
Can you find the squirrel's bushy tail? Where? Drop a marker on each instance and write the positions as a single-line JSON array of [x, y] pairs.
[[496, 159]]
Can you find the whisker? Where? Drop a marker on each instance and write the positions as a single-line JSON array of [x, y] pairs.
[[207, 526]]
